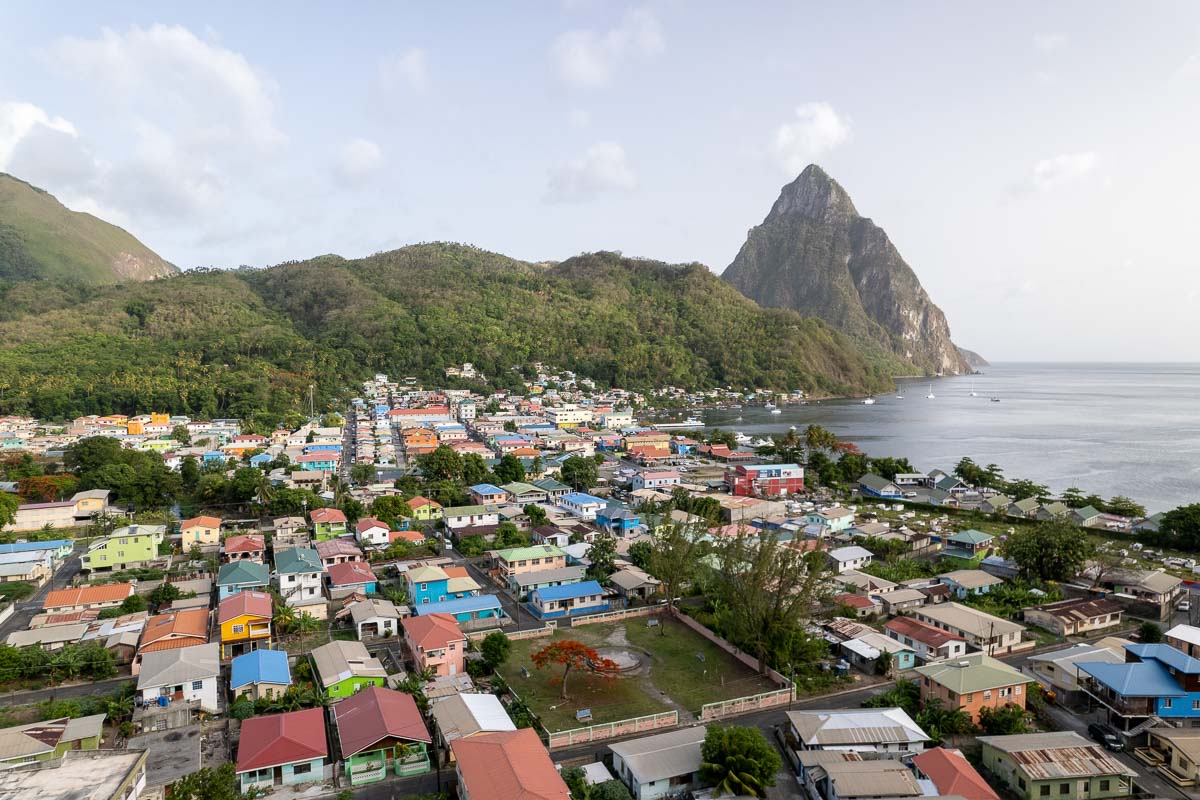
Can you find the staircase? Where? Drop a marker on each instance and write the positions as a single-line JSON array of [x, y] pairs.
[[1150, 722]]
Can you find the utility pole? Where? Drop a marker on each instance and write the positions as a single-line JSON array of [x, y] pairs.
[[311, 408]]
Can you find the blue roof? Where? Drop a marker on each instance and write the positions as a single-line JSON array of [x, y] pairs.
[[569, 590], [1164, 653], [581, 498], [261, 666], [29, 547], [487, 488], [478, 602], [1147, 679]]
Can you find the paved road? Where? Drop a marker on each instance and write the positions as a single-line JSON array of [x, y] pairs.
[[63, 692], [26, 610]]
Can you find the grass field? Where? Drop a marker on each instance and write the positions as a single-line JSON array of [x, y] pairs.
[[675, 678]]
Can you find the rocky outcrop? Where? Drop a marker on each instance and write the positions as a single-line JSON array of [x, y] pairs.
[[816, 254]]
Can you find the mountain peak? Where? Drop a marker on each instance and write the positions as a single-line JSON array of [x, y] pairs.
[[814, 195]]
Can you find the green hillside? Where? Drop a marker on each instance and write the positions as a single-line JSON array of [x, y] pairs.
[[241, 343], [40, 238]]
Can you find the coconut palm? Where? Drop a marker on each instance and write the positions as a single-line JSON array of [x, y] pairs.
[[264, 490]]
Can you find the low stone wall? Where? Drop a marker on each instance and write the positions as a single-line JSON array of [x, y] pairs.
[[7, 611], [612, 616], [613, 730], [744, 705], [532, 633]]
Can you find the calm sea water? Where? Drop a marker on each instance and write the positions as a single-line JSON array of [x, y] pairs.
[[1131, 429]]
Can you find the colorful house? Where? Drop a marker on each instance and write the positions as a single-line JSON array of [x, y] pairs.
[[320, 461], [186, 675], [952, 775], [343, 668], [371, 532], [436, 643], [972, 683], [424, 510], [131, 546], [202, 531], [337, 551], [171, 631], [298, 575], [378, 728], [245, 547], [328, 522], [1155, 680], [765, 480], [487, 494], [465, 609], [586, 597], [1058, 765], [581, 504], [261, 674], [241, 576], [430, 584], [350, 578], [516, 560], [44, 741], [618, 520], [464, 516], [506, 764], [245, 621], [283, 750], [106, 595]]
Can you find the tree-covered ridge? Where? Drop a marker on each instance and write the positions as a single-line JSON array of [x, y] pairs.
[[237, 343]]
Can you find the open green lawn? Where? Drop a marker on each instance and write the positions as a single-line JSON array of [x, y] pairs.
[[676, 675]]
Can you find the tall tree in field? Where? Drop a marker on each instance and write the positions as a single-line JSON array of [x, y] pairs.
[[673, 560], [1054, 550], [766, 590], [579, 473], [573, 655]]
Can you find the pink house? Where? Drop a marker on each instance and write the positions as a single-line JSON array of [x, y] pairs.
[[436, 643]]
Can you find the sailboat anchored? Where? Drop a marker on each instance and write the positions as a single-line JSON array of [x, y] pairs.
[[972, 393], [930, 395]]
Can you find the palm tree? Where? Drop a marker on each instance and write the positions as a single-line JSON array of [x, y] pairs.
[[68, 662], [942, 723], [306, 623], [264, 490], [285, 617]]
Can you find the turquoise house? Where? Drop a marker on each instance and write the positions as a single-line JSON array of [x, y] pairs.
[[240, 576], [283, 750]]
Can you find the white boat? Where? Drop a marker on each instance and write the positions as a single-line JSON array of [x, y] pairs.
[[768, 405], [930, 395], [972, 392], [742, 438], [776, 411], [761, 443], [739, 419], [870, 401], [791, 427], [690, 422]]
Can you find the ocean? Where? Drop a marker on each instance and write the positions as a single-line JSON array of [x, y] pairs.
[[1109, 429]]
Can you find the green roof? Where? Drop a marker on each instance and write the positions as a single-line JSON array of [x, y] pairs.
[[519, 487], [524, 553], [971, 536], [464, 511], [298, 559], [551, 485], [245, 571], [974, 673], [1087, 512]]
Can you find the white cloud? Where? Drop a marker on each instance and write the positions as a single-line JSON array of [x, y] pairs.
[[817, 129], [209, 91], [358, 160], [1049, 42], [603, 168], [588, 59], [408, 70], [1050, 173], [18, 120]]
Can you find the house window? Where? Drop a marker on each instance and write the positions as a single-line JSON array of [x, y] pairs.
[[239, 628], [1166, 702], [1196, 705], [301, 769], [197, 685], [424, 587], [1064, 788], [1017, 688], [1021, 782], [1104, 784], [1045, 790]]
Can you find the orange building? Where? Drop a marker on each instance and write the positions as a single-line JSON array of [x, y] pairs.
[[971, 683]]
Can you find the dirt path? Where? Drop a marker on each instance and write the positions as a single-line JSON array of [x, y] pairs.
[[618, 638]]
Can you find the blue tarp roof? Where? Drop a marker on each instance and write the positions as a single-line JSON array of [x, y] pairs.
[[487, 488], [479, 602], [1168, 655], [261, 666], [569, 590], [1147, 679]]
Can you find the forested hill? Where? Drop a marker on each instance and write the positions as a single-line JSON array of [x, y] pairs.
[[249, 342]]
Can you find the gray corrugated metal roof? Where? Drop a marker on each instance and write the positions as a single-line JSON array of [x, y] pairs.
[[664, 755]]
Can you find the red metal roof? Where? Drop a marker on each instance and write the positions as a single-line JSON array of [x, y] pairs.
[[432, 631], [87, 595], [350, 572], [278, 739], [366, 523], [375, 714], [952, 774], [508, 765], [201, 521], [245, 543], [188, 624], [256, 604], [921, 632], [327, 515]]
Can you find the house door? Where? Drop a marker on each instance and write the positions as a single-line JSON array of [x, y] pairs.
[[453, 668]]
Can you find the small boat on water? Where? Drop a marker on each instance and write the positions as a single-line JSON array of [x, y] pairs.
[[690, 422], [870, 401], [739, 419], [930, 396], [741, 438], [972, 392], [995, 399], [761, 443], [776, 411], [768, 405]]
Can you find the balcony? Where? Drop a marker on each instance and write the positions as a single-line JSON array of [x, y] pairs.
[[1120, 705]]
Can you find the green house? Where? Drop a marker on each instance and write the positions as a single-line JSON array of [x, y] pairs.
[[381, 728], [1056, 766], [42, 741], [345, 668], [131, 546]]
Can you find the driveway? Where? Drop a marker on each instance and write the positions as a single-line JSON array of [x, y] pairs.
[[64, 692]]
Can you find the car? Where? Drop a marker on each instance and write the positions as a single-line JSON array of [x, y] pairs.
[[1186, 605], [1106, 735]]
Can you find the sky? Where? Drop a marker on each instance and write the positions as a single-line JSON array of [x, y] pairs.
[[1035, 163]]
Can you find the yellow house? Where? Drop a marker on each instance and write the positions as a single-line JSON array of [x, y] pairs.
[[93, 501], [135, 427], [200, 530], [245, 620], [423, 509], [160, 419]]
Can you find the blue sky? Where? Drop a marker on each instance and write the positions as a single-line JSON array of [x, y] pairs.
[[1035, 163]]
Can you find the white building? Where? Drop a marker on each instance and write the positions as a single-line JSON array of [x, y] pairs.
[[660, 765], [849, 558], [185, 674], [568, 416], [581, 504], [662, 479], [889, 732]]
